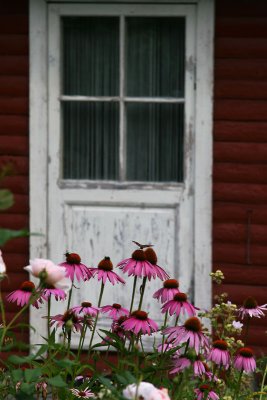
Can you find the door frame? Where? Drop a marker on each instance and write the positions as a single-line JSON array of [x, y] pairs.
[[203, 156]]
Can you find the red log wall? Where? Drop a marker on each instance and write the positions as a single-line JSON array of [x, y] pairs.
[[240, 154], [14, 136]]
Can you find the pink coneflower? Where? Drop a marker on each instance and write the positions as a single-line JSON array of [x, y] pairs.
[[82, 394], [250, 308], [205, 392], [219, 353], [115, 311], [74, 268], [23, 295], [50, 290], [179, 304], [244, 360], [86, 309], [179, 364], [138, 266], [117, 328], [68, 321], [138, 322], [152, 258], [104, 272], [191, 331], [169, 290]]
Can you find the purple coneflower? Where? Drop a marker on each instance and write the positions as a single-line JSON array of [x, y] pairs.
[[169, 290], [74, 268], [152, 258], [23, 295], [104, 272], [179, 304], [82, 394], [179, 364], [138, 322], [86, 309], [244, 360], [117, 328], [190, 332], [219, 353], [205, 392], [67, 321], [115, 311], [138, 266], [51, 290], [251, 309]]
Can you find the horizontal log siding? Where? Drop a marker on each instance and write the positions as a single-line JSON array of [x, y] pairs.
[[14, 138], [240, 154]]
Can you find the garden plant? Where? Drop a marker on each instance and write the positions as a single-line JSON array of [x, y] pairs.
[[186, 360]]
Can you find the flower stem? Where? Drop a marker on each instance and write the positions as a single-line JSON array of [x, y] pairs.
[[96, 318], [263, 382], [238, 384], [3, 314], [164, 326], [132, 301], [48, 316], [143, 286], [70, 294]]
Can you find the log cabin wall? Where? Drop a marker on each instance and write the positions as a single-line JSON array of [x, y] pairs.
[[14, 137], [240, 154]]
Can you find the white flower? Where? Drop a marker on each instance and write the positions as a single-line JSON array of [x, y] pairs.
[[237, 324], [55, 275], [2, 264], [145, 390]]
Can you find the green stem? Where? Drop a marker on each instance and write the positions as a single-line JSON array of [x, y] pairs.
[[238, 385], [132, 301], [48, 316], [142, 292], [3, 314], [96, 318], [70, 294], [81, 341], [263, 382], [176, 320], [164, 326], [69, 341]]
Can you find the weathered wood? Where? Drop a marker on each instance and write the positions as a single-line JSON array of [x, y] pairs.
[[238, 212], [17, 221], [14, 44], [244, 274], [14, 145], [14, 105], [249, 90], [238, 293], [244, 173], [238, 233], [21, 204], [241, 8], [238, 254], [19, 164], [14, 24], [241, 27], [238, 69], [240, 110], [244, 48], [239, 131], [239, 152], [17, 184], [14, 65], [240, 192], [14, 86], [16, 125]]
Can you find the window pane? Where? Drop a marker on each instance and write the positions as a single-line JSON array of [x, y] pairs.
[[90, 140], [90, 56], [155, 56], [155, 142]]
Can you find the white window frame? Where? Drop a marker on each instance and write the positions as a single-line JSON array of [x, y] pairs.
[[201, 128]]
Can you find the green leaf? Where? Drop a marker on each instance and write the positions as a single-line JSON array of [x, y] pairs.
[[57, 381], [20, 360], [17, 374], [32, 374], [27, 388], [6, 199], [7, 234]]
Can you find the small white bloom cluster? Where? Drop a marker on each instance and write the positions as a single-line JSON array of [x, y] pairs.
[[217, 276]]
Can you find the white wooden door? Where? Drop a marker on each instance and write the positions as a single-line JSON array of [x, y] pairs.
[[98, 219]]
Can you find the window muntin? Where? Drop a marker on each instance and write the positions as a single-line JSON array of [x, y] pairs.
[[123, 98]]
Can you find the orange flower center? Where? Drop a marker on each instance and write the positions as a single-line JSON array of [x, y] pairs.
[[105, 264], [220, 344], [250, 302], [171, 284], [246, 352], [139, 255], [27, 286], [151, 256], [193, 324], [73, 258], [180, 297], [142, 315], [116, 305], [86, 304]]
